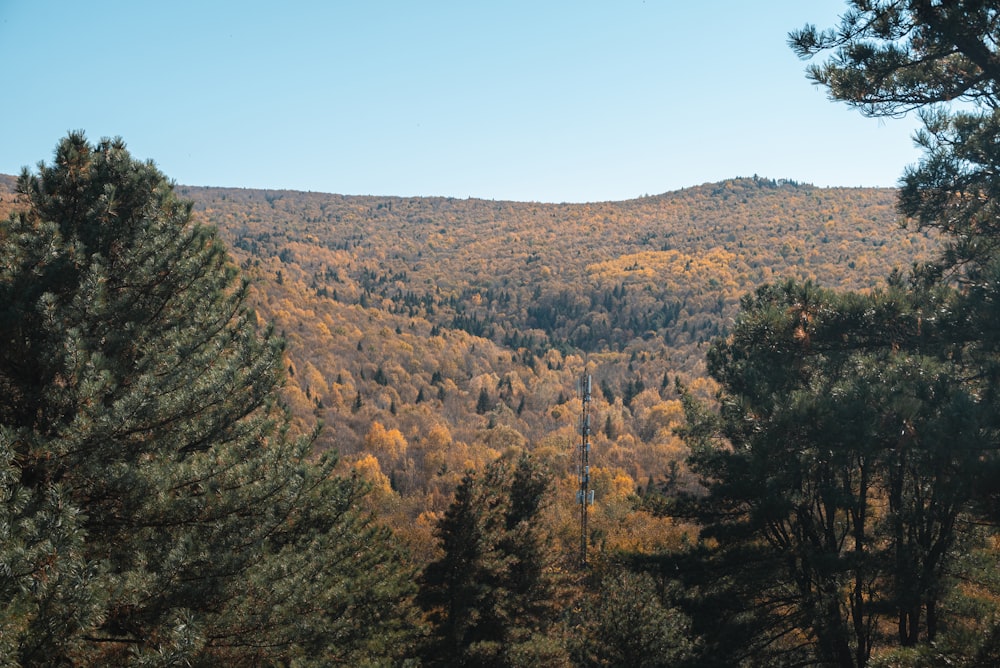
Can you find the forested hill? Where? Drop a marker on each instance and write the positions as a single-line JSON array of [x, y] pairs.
[[429, 334], [591, 277]]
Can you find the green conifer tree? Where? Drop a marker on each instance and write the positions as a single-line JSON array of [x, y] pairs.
[[492, 595], [630, 622], [941, 60], [140, 423], [851, 449], [484, 404]]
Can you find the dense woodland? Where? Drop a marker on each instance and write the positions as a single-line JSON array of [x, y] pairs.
[[432, 334], [243, 427]]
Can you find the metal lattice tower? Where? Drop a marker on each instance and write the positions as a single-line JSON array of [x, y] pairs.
[[585, 495]]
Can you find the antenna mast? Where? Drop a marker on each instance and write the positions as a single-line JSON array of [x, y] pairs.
[[585, 495]]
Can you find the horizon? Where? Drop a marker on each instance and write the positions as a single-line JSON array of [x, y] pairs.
[[779, 181]]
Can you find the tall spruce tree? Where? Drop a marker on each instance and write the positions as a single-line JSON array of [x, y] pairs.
[[492, 595], [154, 508]]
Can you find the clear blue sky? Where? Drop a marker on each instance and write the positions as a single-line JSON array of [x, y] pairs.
[[524, 100]]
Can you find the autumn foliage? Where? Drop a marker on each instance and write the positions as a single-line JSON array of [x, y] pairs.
[[429, 335]]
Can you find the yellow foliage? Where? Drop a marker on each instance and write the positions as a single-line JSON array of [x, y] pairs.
[[611, 485], [502, 438], [642, 286], [438, 437], [663, 416], [647, 534], [389, 443], [658, 266], [368, 468]]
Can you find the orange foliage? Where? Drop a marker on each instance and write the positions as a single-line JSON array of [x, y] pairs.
[[400, 313]]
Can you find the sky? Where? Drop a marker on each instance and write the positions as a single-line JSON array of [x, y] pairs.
[[568, 101]]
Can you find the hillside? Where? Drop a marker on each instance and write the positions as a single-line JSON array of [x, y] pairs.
[[428, 334]]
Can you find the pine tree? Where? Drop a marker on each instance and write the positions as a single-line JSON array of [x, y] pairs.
[[853, 448], [860, 429], [140, 421], [484, 404], [630, 622], [48, 587]]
